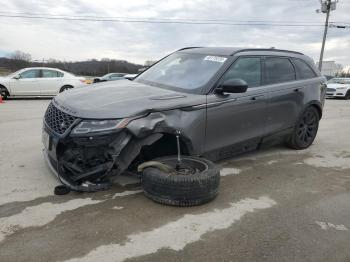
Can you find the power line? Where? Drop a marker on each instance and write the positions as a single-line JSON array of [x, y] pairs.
[[160, 21], [157, 19], [185, 21]]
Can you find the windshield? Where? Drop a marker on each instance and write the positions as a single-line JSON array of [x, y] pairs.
[[14, 73], [183, 72], [339, 81]]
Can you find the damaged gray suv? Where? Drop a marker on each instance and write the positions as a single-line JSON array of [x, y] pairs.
[[220, 101]]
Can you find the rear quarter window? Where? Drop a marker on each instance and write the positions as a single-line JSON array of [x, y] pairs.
[[278, 70], [303, 70]]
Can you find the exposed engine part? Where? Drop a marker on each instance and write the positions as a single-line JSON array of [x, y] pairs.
[[86, 163], [178, 150]]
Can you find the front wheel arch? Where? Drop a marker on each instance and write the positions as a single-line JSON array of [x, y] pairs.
[[4, 91], [347, 95]]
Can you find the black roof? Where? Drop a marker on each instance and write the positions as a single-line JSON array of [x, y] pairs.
[[229, 51]]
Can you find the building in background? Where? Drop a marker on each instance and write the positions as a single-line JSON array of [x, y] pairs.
[[330, 68]]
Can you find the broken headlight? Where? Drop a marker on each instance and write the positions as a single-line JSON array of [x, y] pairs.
[[93, 126]]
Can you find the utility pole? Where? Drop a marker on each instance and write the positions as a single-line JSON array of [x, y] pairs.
[[326, 7]]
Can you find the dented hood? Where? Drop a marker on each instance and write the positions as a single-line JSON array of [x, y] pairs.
[[122, 98]]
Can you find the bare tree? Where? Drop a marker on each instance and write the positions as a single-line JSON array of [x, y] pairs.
[[19, 60], [20, 56]]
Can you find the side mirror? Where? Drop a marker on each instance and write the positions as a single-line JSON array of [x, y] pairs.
[[232, 86], [17, 77]]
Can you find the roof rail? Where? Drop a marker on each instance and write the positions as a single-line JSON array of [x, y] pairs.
[[190, 47], [266, 49]]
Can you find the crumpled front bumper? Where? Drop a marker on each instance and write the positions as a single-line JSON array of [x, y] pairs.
[[83, 187], [121, 148], [54, 146]]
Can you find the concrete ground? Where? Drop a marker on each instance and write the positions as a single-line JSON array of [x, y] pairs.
[[274, 205]]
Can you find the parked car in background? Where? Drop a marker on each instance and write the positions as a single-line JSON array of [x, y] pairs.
[[110, 77], [338, 87], [38, 81], [130, 76]]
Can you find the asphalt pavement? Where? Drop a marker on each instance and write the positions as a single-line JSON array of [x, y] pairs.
[[275, 204]]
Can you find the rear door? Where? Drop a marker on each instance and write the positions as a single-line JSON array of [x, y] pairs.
[[235, 122], [284, 93], [27, 84], [51, 81]]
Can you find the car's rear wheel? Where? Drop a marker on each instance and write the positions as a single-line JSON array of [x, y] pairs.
[[65, 88], [305, 129], [194, 182]]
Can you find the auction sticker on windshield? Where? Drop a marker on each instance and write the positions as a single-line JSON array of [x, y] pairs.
[[218, 59]]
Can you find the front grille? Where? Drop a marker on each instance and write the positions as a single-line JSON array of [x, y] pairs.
[[57, 120], [331, 89]]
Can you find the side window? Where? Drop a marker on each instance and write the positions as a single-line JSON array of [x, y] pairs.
[[278, 70], [247, 69], [32, 73], [50, 73], [303, 70]]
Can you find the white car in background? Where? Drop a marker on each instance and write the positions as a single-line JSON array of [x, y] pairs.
[[38, 81], [130, 76], [338, 87]]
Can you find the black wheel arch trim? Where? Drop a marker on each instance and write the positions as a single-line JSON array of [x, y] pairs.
[[317, 104]]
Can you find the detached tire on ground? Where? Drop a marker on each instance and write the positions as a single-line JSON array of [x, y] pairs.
[[196, 182]]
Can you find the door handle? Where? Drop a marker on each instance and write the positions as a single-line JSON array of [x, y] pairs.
[[254, 98], [296, 90]]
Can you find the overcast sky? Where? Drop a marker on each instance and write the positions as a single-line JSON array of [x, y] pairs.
[[137, 42]]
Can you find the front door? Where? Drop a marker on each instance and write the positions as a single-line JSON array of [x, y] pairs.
[[236, 122], [26, 83]]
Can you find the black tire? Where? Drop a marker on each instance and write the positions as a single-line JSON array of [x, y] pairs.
[[305, 130], [347, 96], [4, 93], [61, 190], [194, 188], [64, 88]]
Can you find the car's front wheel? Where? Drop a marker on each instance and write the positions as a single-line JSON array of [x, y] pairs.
[[347, 96], [4, 93], [305, 130]]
